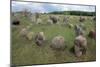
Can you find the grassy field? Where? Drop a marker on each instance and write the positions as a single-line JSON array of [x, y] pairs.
[[25, 52]]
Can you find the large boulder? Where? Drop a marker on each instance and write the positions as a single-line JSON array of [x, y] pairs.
[[58, 42], [92, 34], [80, 46], [40, 38]]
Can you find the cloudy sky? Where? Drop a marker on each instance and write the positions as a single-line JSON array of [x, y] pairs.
[[47, 7]]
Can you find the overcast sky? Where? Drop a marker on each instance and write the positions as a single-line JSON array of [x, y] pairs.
[[47, 7], [87, 2]]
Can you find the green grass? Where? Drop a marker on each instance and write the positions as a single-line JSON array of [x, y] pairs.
[[25, 52]]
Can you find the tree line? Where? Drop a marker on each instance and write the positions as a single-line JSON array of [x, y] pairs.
[[78, 13]]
